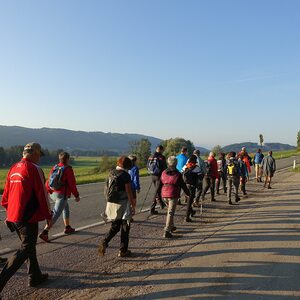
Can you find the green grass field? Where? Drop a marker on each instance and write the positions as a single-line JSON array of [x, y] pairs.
[[84, 168]]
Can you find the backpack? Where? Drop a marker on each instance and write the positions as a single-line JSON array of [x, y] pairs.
[[220, 165], [190, 177], [153, 165], [55, 180], [111, 192], [232, 169]]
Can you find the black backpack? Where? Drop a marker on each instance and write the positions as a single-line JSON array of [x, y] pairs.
[[190, 177], [111, 192]]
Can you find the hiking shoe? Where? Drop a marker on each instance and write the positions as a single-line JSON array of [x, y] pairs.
[[188, 220], [174, 228], [269, 187], [102, 249], [38, 280], [69, 230], [3, 260], [168, 235], [237, 199], [153, 212], [124, 253], [213, 200], [44, 236], [229, 202]]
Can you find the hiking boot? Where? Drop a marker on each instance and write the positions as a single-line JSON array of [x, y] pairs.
[[153, 212], [44, 236], [173, 229], [188, 220], [102, 248], [237, 199], [193, 212], [229, 202], [3, 260], [69, 230], [168, 235], [38, 280], [269, 187], [213, 200], [124, 253]]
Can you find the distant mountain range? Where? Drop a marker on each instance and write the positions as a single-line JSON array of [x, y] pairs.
[[55, 138], [52, 139], [252, 147]]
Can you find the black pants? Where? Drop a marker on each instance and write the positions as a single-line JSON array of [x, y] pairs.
[[222, 177], [199, 190], [28, 235], [192, 189], [209, 184], [114, 229], [157, 193]]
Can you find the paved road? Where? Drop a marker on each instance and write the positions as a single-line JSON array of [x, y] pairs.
[[86, 213], [245, 251]]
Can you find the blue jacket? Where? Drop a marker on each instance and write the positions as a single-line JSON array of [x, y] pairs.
[[181, 161], [135, 178], [258, 158]]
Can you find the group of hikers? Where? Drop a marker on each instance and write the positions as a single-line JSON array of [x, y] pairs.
[[26, 191]]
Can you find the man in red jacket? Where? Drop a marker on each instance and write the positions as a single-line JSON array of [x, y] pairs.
[[26, 202]]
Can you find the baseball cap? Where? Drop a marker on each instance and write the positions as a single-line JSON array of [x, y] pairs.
[[32, 147]]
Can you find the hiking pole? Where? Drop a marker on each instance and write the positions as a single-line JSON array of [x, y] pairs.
[[146, 196]]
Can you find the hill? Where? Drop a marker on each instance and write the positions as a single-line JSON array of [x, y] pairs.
[[55, 138], [252, 147]]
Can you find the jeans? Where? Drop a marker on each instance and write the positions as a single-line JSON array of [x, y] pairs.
[[172, 202], [114, 229], [28, 235], [61, 206], [199, 190]]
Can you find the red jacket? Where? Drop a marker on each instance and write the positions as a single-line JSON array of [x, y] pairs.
[[213, 167], [69, 181], [25, 197]]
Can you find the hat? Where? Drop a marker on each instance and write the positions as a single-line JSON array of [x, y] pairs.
[[32, 147]]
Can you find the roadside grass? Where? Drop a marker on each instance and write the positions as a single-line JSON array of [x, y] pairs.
[[85, 168]]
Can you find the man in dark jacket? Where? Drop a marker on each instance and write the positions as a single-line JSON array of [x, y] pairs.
[[26, 203], [156, 165], [268, 166]]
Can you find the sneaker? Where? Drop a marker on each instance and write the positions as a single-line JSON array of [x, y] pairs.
[[69, 230], [168, 235], [36, 281], [124, 253], [174, 228], [188, 220], [44, 236], [102, 248], [3, 260], [153, 212]]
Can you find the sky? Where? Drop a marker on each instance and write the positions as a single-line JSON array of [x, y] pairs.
[[214, 72]]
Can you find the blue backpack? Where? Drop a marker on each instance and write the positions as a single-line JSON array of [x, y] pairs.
[[55, 180]]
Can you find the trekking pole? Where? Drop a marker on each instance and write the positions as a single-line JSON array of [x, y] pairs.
[[146, 196]]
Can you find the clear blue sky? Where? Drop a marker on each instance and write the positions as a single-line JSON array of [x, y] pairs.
[[214, 72]]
